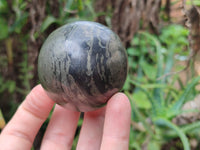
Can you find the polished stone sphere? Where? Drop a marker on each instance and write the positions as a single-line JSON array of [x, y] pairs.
[[81, 65]]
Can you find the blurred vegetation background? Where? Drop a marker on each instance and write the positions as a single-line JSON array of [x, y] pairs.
[[162, 41]]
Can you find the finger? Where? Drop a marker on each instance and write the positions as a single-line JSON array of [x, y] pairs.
[[61, 129], [91, 131], [23, 127], [117, 123]]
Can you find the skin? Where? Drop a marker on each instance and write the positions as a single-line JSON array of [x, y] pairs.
[[105, 128]]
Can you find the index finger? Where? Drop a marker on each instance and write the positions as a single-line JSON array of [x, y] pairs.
[[20, 132]]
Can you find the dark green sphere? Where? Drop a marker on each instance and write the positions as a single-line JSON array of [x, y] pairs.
[[81, 65]]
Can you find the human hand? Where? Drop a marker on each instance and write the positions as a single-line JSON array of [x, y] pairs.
[[106, 128]]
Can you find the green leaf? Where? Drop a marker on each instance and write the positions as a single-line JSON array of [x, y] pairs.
[[149, 70], [4, 29], [187, 129], [133, 52], [3, 6], [47, 22], [156, 108], [153, 145], [140, 116], [69, 4], [179, 131], [194, 2], [12, 86], [80, 5], [141, 100], [132, 63], [179, 103], [191, 126], [135, 40], [127, 85]]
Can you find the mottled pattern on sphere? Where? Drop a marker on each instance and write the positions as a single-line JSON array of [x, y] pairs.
[[81, 65]]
